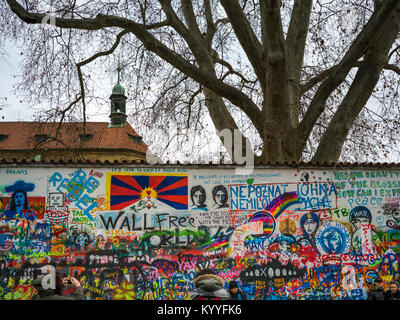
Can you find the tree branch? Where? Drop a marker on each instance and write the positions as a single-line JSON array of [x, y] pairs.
[[232, 71], [393, 68], [316, 79], [187, 8], [246, 37], [295, 45], [211, 26], [87, 61], [152, 44], [84, 23], [359, 47], [105, 53], [393, 52], [330, 146], [193, 39], [296, 37]]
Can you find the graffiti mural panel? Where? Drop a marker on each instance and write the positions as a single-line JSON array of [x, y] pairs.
[[143, 233]]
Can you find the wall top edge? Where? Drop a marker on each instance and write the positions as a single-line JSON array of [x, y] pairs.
[[141, 163]]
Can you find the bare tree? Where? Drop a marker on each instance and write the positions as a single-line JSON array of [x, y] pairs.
[[302, 79]]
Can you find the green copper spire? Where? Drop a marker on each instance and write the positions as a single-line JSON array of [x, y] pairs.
[[118, 104], [118, 89]]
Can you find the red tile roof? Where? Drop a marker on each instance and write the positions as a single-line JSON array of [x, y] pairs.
[[21, 136]]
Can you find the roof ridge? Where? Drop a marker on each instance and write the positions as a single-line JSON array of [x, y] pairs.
[[294, 164]]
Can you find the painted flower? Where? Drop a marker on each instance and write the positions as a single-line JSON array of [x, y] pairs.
[[126, 291]]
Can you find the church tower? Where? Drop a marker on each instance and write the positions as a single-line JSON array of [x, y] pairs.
[[118, 104]]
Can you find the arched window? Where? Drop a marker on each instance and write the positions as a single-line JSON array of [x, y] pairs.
[[117, 107]]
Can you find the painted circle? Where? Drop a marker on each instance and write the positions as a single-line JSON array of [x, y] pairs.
[[155, 240], [333, 238], [268, 222], [288, 227]]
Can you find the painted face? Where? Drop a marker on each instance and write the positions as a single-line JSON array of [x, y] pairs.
[[234, 290], [310, 226], [333, 241], [357, 222], [55, 199], [101, 242], [220, 198], [198, 198], [19, 199]]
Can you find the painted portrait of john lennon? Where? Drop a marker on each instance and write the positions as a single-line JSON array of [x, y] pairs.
[[220, 197], [198, 197]]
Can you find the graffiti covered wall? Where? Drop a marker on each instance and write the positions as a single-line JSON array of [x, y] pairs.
[[143, 232]]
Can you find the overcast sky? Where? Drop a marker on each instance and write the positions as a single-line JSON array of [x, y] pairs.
[[9, 67], [15, 109]]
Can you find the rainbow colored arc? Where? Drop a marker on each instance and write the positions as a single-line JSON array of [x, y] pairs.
[[266, 219], [125, 190], [279, 204]]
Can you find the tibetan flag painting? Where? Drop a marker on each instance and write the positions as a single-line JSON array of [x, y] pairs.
[[138, 191]]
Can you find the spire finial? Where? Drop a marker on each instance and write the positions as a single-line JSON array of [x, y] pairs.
[[119, 72], [118, 89], [119, 68]]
